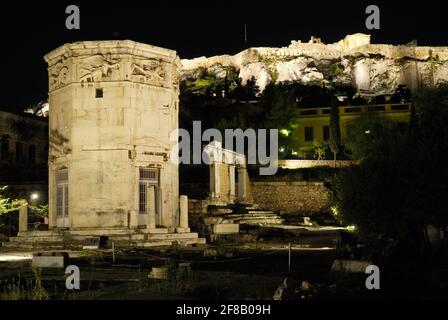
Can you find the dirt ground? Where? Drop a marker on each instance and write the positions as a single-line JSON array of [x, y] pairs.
[[224, 271], [231, 274]]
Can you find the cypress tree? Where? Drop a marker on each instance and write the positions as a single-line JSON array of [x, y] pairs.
[[335, 131]]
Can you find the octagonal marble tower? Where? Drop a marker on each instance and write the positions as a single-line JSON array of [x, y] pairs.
[[113, 107]]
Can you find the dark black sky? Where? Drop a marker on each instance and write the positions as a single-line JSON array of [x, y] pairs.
[[29, 29]]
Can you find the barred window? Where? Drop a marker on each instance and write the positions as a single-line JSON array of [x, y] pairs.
[[62, 193], [142, 192], [149, 178], [149, 174]]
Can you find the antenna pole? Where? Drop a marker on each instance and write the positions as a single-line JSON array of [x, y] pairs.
[[245, 34]]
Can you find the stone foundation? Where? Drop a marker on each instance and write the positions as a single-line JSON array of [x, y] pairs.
[[122, 238]]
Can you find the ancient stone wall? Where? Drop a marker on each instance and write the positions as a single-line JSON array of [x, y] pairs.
[[304, 197]]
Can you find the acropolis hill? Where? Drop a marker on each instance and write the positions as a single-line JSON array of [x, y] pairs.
[[371, 68]]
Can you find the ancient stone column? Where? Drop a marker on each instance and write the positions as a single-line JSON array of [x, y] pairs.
[[183, 219], [242, 176], [150, 209], [215, 181], [51, 203], [23, 217], [232, 182]]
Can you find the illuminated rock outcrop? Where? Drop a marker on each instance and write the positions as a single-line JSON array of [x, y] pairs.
[[377, 68]]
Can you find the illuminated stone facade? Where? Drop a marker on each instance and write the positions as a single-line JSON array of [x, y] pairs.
[[113, 107]]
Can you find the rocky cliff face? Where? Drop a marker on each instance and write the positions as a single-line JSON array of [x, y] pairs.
[[371, 68]]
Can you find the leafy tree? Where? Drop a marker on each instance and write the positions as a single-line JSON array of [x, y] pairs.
[[320, 150], [280, 106], [246, 92], [399, 188], [312, 95], [252, 88], [368, 134], [40, 211], [7, 204], [401, 95]]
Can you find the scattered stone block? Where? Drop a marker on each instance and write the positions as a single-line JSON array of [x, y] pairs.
[[210, 252], [91, 243], [224, 237], [307, 221], [305, 286], [225, 228], [435, 235], [49, 259], [350, 266], [158, 273], [212, 220], [185, 266], [279, 292]]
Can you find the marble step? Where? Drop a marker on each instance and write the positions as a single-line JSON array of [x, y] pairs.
[[252, 220], [101, 232], [260, 212], [36, 239], [256, 218], [219, 211], [190, 235], [157, 243], [80, 239], [244, 206], [32, 245], [261, 222], [148, 244], [43, 233], [155, 236], [118, 244], [251, 215]]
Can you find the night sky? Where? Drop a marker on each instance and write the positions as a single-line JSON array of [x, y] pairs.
[[30, 29]]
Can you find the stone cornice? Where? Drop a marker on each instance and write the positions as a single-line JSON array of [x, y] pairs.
[[123, 47]]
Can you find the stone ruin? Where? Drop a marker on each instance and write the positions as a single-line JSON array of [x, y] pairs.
[[229, 205], [354, 60], [113, 107], [229, 180]]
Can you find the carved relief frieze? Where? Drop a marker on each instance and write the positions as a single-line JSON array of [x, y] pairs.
[[149, 71], [59, 74], [98, 68]]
